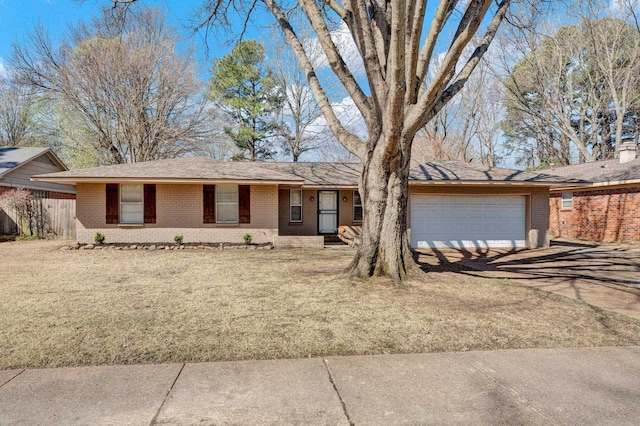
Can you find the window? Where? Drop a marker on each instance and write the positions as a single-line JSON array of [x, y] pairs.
[[37, 194], [357, 207], [567, 200], [295, 205], [227, 203], [132, 203]]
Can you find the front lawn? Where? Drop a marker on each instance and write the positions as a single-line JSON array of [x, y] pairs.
[[61, 308]]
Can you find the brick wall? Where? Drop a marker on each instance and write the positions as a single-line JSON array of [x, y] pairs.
[[52, 194], [178, 211], [606, 215]]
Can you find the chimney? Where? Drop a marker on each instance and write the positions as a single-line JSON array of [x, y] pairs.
[[627, 152]]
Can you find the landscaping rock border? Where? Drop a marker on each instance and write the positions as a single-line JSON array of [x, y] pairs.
[[166, 247]]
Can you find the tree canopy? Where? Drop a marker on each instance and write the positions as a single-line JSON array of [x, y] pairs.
[[122, 90], [252, 96], [577, 89]]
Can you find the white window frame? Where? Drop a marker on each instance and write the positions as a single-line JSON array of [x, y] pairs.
[[219, 203], [357, 205], [566, 201], [131, 203], [291, 205]]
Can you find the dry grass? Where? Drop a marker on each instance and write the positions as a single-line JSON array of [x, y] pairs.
[[121, 307]]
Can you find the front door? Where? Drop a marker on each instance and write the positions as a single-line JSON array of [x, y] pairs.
[[327, 212]]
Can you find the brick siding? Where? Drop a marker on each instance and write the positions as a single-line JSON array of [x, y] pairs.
[[52, 194], [607, 215], [178, 211]]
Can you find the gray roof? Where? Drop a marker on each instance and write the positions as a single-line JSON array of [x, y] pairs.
[[322, 174], [12, 157], [456, 171], [307, 174], [187, 168], [601, 171]]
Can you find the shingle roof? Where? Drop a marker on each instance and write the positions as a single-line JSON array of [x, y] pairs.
[[322, 174], [307, 174], [12, 157], [601, 171], [188, 168], [455, 171]]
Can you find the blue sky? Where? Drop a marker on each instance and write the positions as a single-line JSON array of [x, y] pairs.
[[19, 17]]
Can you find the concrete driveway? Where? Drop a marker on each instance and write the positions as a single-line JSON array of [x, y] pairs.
[[604, 276]]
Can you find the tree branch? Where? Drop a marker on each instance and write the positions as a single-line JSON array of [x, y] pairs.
[[336, 62], [445, 8], [346, 138]]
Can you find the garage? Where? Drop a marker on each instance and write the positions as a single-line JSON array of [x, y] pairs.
[[443, 221]]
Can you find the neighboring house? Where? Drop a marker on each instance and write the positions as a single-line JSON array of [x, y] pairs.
[[295, 204], [609, 209], [17, 165]]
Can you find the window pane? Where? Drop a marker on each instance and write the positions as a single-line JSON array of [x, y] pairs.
[[132, 213], [296, 197], [131, 193], [296, 213], [227, 212], [357, 214], [227, 193], [356, 199]]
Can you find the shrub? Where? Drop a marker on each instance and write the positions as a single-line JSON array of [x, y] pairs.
[[99, 238], [178, 239], [247, 238]]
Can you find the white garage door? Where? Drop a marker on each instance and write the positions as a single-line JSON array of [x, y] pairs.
[[467, 221]]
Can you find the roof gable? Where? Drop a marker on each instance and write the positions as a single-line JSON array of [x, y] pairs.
[[13, 157]]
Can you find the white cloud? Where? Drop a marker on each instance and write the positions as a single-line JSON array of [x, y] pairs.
[[349, 116], [4, 73], [346, 46]]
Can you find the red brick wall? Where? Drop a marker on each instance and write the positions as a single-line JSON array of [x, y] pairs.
[[601, 215], [52, 194]]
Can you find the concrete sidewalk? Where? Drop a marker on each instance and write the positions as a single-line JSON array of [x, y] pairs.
[[529, 386]]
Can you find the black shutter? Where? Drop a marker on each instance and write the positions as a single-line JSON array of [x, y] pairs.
[[244, 203], [113, 203], [208, 203], [149, 203]]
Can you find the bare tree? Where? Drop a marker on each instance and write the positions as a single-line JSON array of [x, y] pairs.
[[300, 110], [17, 116], [575, 86], [396, 41], [124, 89]]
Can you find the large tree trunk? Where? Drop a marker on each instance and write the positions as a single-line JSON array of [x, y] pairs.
[[385, 249]]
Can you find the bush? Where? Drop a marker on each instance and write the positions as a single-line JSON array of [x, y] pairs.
[[247, 238], [178, 239], [99, 238]]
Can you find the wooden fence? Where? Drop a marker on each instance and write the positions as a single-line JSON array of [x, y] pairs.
[[46, 218]]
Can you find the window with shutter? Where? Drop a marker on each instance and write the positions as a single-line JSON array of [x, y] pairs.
[[132, 203], [226, 203]]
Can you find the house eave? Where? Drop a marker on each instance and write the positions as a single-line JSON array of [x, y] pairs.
[[599, 185], [490, 183], [77, 180]]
